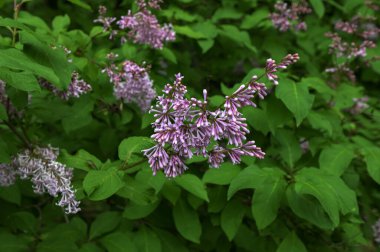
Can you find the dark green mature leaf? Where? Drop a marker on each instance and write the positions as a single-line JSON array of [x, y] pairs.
[[241, 37], [320, 121], [225, 13], [17, 60], [130, 148], [104, 223], [318, 7], [102, 184], [81, 4], [296, 98], [169, 242], [12, 243], [193, 185], [3, 113], [146, 240], [11, 194], [372, 159], [24, 80], [187, 221], [231, 218], [291, 243], [44, 54], [268, 196], [118, 242], [249, 178], [81, 160], [221, 176], [290, 150], [336, 158], [135, 211], [23, 221]]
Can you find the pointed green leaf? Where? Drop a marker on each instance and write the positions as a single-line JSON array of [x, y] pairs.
[[336, 158], [291, 243], [187, 221], [193, 185], [231, 218]]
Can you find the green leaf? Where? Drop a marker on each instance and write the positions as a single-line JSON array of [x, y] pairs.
[[60, 23], [104, 223], [296, 98], [169, 242], [118, 242], [189, 32], [24, 80], [81, 160], [12, 243], [254, 19], [225, 13], [318, 7], [187, 221], [138, 192], [232, 217], [249, 178], [23, 221], [130, 148], [336, 158], [372, 159], [3, 113], [319, 120], [193, 185], [135, 211], [17, 60], [206, 44], [290, 149], [308, 208], [11, 194], [222, 175], [100, 185], [267, 197], [241, 37], [81, 4], [291, 243], [169, 55], [54, 59], [146, 240]]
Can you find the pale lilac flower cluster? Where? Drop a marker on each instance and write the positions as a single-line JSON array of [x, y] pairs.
[[7, 175], [286, 17], [376, 231], [360, 104], [76, 88], [132, 83], [357, 36], [272, 67], [47, 175], [186, 127], [141, 27]]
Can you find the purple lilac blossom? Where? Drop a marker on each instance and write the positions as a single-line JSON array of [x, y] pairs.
[[76, 88], [186, 127], [286, 17], [7, 175], [47, 175], [132, 83], [141, 27]]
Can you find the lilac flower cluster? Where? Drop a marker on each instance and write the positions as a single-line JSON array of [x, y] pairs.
[[360, 104], [357, 35], [186, 127], [286, 17], [47, 175], [141, 27], [131, 83], [76, 88]]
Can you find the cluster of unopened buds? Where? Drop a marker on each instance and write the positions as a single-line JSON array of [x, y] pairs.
[[358, 35], [360, 104], [132, 83], [141, 27], [286, 17], [186, 127], [47, 175]]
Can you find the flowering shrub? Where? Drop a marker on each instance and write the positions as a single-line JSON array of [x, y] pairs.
[[149, 125]]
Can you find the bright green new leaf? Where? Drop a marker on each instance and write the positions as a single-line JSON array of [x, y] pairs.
[[131, 147], [222, 175], [372, 159], [336, 158], [24, 80], [102, 184], [318, 7]]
